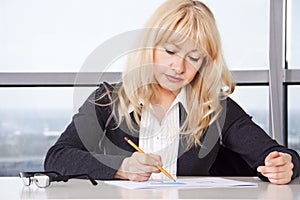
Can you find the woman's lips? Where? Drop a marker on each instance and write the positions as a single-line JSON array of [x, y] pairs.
[[173, 78]]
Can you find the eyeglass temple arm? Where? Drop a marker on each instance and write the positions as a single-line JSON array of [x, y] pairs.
[[67, 177], [28, 174]]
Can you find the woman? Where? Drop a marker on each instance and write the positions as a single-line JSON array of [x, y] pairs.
[[173, 102]]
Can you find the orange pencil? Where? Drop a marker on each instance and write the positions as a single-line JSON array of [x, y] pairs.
[[141, 151]]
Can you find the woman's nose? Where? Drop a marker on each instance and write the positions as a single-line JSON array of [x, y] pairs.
[[178, 64]]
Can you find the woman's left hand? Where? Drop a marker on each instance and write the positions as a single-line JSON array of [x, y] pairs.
[[278, 167]]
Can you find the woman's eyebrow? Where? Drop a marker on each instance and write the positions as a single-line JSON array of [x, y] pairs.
[[194, 50], [178, 47]]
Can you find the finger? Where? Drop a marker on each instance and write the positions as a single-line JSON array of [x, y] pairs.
[[147, 159], [279, 161], [132, 167], [138, 168], [280, 181], [282, 159], [280, 169], [276, 177], [280, 175], [281, 178], [270, 157], [287, 157], [152, 160], [157, 158], [141, 164], [139, 177], [273, 154], [147, 169]]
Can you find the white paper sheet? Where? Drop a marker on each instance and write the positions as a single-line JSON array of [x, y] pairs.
[[207, 182]]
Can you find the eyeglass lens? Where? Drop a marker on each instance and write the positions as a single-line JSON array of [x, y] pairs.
[[26, 180], [40, 180]]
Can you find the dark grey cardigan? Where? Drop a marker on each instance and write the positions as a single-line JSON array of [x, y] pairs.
[[91, 144]]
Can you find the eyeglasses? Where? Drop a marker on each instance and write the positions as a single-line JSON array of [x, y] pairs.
[[43, 179]]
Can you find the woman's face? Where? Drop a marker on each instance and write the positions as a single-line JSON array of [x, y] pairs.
[[176, 65]]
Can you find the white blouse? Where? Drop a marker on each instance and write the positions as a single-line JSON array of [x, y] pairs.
[[162, 138]]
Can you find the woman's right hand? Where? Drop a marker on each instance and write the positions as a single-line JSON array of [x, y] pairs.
[[139, 167]]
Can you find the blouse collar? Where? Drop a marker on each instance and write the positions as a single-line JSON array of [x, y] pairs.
[[180, 98]]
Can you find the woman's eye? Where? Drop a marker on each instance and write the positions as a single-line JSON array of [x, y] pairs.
[[170, 52], [194, 59]]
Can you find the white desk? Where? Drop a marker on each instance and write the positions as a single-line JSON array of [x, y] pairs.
[[12, 188]]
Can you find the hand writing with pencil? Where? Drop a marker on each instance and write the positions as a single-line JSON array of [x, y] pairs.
[[139, 167], [139, 173]]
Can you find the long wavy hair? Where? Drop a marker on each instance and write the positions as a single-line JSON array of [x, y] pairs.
[[177, 21]]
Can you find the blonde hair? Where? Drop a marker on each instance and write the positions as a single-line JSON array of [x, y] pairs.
[[180, 20]]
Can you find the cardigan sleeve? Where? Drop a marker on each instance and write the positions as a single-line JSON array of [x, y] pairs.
[[77, 149], [242, 136]]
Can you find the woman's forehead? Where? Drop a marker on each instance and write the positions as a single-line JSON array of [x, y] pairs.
[[180, 38], [184, 44]]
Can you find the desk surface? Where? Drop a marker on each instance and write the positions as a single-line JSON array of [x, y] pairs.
[[12, 188]]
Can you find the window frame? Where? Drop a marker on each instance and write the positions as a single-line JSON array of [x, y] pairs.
[[278, 76]]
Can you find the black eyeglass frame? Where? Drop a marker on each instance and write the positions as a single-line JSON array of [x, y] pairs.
[[53, 177]]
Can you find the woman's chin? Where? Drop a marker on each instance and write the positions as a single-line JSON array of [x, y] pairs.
[[172, 89]]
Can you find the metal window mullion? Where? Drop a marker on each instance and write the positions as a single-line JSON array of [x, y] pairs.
[[56, 79], [292, 76], [276, 59]]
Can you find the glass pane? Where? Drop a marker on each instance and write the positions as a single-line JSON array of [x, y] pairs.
[[255, 101], [294, 34], [59, 35], [31, 119], [244, 31], [52, 35], [293, 117]]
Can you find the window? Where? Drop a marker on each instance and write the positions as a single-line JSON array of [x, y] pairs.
[[52, 36], [43, 44], [293, 117], [57, 36], [244, 28], [293, 34], [254, 100], [31, 119], [293, 86]]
